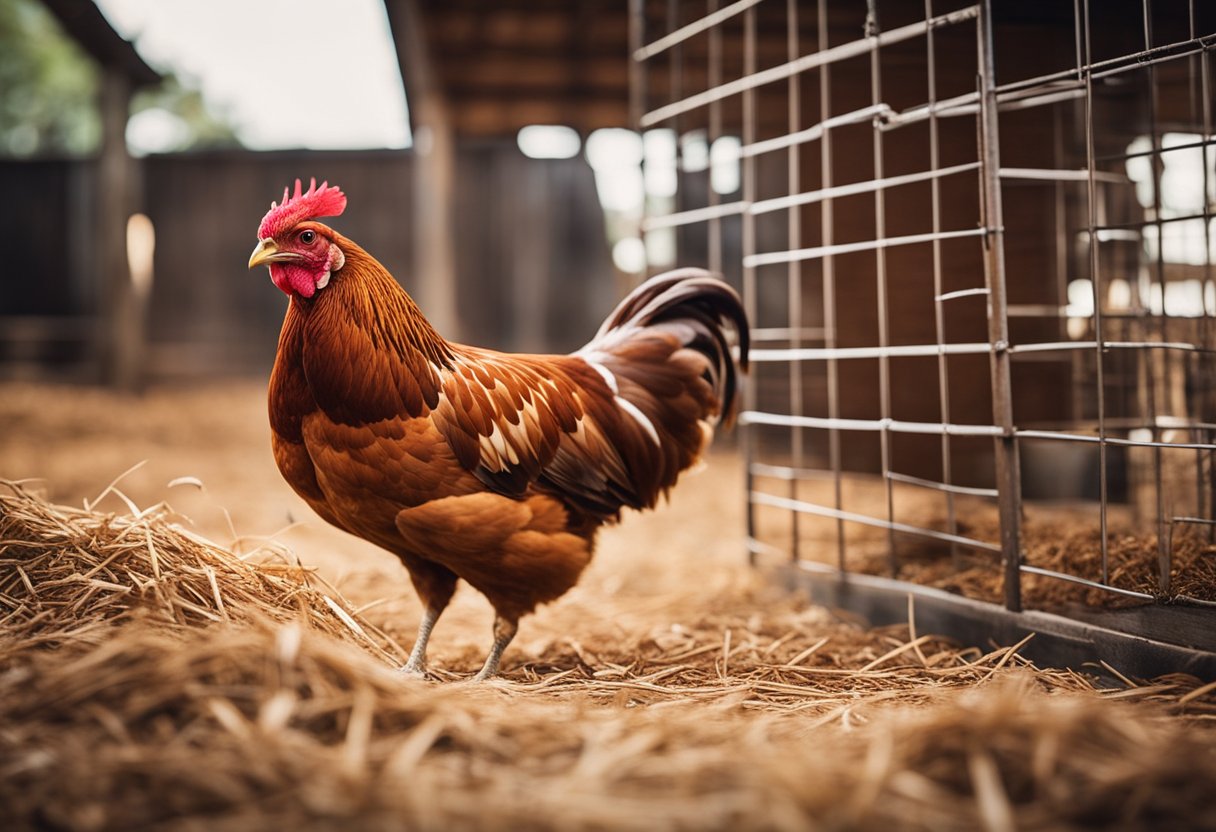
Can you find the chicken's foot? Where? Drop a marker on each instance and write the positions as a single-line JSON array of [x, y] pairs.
[[415, 666], [504, 631]]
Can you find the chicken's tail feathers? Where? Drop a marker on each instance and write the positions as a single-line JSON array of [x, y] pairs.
[[654, 382], [703, 311]]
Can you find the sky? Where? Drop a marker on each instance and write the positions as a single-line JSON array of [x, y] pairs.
[[284, 73]]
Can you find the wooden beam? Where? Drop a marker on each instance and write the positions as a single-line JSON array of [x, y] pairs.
[[591, 93], [434, 8], [504, 72], [497, 117], [124, 307], [435, 148], [85, 24]]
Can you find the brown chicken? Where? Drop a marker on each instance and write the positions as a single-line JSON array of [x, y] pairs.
[[471, 464]]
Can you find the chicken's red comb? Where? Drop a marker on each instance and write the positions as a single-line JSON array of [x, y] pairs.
[[315, 202]]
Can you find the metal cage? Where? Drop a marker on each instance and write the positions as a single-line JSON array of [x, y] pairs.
[[976, 242]]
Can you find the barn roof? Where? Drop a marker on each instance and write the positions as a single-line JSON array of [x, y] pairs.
[[86, 25], [504, 65], [499, 66]]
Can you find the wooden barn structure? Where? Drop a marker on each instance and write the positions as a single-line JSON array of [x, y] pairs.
[[976, 240], [500, 249], [68, 281]]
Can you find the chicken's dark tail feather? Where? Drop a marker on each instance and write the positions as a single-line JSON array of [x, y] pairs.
[[701, 309]]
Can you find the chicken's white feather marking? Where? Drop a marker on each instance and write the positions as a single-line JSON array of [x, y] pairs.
[[489, 456], [497, 440], [606, 374], [639, 417]]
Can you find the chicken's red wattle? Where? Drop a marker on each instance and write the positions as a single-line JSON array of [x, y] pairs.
[[292, 278]]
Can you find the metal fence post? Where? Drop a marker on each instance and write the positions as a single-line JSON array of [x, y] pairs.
[[1008, 472]]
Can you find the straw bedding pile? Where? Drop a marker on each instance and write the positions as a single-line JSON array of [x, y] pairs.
[[67, 574], [152, 679], [1063, 545], [277, 731], [1061, 538]]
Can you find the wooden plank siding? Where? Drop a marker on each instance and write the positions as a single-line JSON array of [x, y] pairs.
[[533, 266], [209, 314], [532, 255], [49, 274]]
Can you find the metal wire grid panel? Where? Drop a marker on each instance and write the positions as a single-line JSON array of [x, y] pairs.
[[975, 242]]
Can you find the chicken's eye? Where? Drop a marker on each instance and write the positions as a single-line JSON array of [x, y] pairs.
[[306, 237]]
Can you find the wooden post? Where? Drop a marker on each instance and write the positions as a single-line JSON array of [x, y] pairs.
[[123, 308], [435, 172]]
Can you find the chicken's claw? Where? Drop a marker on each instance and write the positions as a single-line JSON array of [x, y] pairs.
[[412, 672]]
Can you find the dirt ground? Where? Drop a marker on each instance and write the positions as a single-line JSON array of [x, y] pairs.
[[673, 688]]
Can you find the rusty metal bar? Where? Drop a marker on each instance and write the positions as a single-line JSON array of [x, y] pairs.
[[676, 91], [945, 487], [1149, 382], [815, 132], [1008, 474], [939, 317], [794, 269], [714, 74], [753, 417], [974, 348], [1112, 440], [873, 31], [827, 232], [804, 507], [1112, 66], [785, 333], [1205, 494], [896, 351], [1123, 157], [749, 229], [769, 258], [708, 23], [1076, 579], [1081, 16], [778, 203], [695, 215]]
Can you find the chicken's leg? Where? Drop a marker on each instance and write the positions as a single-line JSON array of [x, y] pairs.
[[504, 631], [416, 664]]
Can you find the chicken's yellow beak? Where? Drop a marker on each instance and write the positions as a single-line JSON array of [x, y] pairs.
[[266, 252]]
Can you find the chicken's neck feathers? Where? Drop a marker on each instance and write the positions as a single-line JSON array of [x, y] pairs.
[[360, 350], [366, 296]]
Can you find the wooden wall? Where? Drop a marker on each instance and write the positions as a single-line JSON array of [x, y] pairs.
[[209, 313], [533, 266], [532, 254], [49, 273]]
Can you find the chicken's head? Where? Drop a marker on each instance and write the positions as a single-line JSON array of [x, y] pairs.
[[301, 254]]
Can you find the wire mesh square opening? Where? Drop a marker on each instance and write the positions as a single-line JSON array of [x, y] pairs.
[[976, 245]]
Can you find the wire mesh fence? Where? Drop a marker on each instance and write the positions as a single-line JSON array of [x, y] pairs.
[[976, 245]]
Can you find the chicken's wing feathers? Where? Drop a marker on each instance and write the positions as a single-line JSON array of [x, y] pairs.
[[612, 425], [537, 422]]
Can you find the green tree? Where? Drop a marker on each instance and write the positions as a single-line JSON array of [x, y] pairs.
[[200, 127], [48, 93], [48, 86]]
